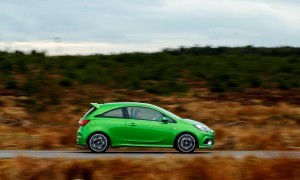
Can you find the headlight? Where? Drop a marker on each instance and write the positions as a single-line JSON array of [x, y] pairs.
[[201, 128]]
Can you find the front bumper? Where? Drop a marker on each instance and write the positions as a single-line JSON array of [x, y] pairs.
[[206, 140]]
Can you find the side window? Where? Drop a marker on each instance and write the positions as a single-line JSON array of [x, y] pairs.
[[116, 113], [144, 114]]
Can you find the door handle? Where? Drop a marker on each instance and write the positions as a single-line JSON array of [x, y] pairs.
[[132, 124]]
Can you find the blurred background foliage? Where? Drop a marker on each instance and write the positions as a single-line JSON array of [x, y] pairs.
[[248, 87], [223, 69]]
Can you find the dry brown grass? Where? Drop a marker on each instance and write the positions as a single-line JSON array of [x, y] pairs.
[[234, 113], [233, 137], [249, 137], [38, 137], [149, 168], [238, 126]]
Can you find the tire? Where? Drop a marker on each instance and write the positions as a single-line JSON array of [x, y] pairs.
[[186, 143], [176, 148], [98, 142]]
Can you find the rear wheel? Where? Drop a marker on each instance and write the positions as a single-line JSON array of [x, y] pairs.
[[98, 142], [186, 143]]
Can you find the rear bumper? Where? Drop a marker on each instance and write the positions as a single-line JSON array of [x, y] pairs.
[[81, 140]]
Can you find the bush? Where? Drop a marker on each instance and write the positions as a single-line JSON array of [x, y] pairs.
[[30, 86], [11, 84], [65, 82]]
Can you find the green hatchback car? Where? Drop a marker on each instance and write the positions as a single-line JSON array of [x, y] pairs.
[[140, 125]]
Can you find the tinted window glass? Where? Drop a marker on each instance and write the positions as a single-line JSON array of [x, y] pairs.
[[116, 113], [170, 120], [144, 113]]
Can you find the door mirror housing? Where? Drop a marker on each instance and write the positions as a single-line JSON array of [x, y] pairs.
[[164, 119]]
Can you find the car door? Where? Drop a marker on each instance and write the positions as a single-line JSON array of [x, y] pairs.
[[144, 126], [113, 123]]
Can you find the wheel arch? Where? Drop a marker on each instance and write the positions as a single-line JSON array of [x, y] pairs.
[[185, 132], [101, 132]]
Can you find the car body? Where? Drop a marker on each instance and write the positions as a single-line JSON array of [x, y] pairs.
[[140, 125]]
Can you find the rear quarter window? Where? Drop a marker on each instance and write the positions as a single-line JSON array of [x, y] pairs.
[[115, 113]]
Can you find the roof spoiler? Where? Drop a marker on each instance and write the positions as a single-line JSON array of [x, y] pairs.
[[96, 105]]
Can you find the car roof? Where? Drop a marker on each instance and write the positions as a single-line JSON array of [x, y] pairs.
[[112, 105], [121, 104]]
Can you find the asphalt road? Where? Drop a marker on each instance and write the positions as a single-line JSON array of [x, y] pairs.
[[143, 154]]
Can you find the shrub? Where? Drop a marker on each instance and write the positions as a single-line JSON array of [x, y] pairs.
[[11, 84], [65, 82]]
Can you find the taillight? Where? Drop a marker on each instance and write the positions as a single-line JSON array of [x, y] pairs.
[[83, 122]]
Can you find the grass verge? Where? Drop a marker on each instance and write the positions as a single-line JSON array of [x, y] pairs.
[[150, 168]]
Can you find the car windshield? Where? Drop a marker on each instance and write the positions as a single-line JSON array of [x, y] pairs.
[[168, 112]]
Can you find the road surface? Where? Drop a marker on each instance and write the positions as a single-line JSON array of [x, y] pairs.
[[142, 154]]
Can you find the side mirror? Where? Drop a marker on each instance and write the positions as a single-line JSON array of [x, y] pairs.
[[164, 120]]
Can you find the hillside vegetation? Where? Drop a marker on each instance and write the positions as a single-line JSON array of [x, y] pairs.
[[221, 69], [229, 89]]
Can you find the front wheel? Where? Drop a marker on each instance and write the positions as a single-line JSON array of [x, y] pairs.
[[186, 143], [98, 142]]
